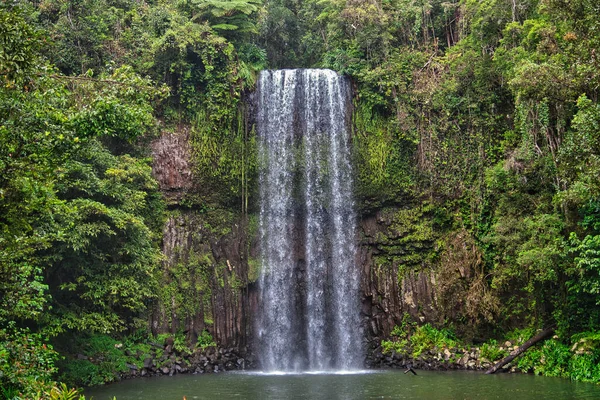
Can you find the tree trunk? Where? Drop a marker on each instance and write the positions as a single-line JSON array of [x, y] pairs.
[[514, 354]]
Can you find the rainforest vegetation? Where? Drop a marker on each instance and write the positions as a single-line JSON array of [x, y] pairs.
[[478, 118]]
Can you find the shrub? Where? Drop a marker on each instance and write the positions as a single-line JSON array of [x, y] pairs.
[[26, 363], [399, 337], [529, 360], [104, 359], [82, 373], [427, 337], [492, 351], [585, 367], [555, 359], [551, 359], [205, 340], [409, 338], [398, 346], [520, 336], [62, 392]]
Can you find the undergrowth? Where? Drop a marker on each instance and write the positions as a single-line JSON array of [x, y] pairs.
[[410, 339]]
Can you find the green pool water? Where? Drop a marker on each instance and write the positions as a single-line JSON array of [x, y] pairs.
[[382, 384]]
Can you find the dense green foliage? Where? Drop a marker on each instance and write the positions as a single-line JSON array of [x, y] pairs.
[[476, 117], [413, 340], [79, 210], [98, 358], [553, 358]]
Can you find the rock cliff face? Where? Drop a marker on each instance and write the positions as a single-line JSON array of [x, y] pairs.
[[205, 280], [394, 280], [205, 272], [409, 267], [172, 164], [210, 267]]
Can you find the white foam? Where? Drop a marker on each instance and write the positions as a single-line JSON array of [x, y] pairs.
[[315, 372]]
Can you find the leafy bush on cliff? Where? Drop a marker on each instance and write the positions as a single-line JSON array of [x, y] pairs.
[[426, 337], [410, 339]]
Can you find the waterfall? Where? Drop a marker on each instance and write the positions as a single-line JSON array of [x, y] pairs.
[[309, 306]]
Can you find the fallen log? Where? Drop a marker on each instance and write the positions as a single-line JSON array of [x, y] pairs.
[[546, 333], [409, 369]]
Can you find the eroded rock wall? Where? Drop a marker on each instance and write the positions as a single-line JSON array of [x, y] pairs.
[[204, 280], [171, 164], [204, 277], [408, 265]]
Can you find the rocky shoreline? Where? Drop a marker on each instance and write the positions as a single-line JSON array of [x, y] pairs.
[[460, 358], [168, 361], [210, 360], [434, 360]]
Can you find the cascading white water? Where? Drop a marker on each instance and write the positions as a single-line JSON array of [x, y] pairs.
[[309, 307]]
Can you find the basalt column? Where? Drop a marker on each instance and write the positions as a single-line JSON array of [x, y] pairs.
[[309, 286]]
